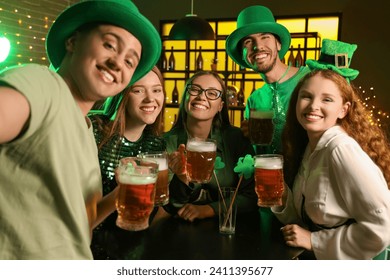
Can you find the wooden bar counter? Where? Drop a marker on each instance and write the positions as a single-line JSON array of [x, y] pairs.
[[257, 236]]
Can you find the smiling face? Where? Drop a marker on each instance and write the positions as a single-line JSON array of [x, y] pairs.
[[145, 100], [100, 61], [319, 106], [199, 107], [261, 51]]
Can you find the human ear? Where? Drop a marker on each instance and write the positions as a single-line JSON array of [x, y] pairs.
[[221, 106], [344, 110], [278, 45], [70, 43]]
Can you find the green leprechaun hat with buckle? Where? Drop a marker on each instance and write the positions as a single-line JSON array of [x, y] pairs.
[[336, 56], [252, 20]]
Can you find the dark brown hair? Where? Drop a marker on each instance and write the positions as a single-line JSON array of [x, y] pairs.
[[221, 119]]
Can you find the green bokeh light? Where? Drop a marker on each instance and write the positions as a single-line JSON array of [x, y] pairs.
[[5, 47]]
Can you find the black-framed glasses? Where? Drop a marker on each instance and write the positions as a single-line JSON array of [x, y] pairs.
[[211, 93]]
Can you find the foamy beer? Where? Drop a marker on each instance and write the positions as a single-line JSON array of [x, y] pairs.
[[269, 179], [200, 158], [162, 190], [137, 179], [261, 127]]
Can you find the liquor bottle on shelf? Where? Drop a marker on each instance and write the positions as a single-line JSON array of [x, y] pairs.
[[214, 64], [241, 97], [175, 94], [231, 95], [291, 59], [298, 57], [199, 60], [171, 61], [164, 62], [253, 87]]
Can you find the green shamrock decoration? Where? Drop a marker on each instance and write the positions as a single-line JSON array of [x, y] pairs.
[[218, 164], [245, 166]]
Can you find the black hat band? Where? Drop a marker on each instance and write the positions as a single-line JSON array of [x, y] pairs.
[[340, 60]]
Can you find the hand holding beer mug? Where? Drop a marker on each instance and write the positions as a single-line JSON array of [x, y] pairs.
[[200, 158], [137, 179], [269, 179], [261, 126], [162, 190]]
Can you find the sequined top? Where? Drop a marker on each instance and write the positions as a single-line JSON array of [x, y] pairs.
[[116, 148], [119, 147]]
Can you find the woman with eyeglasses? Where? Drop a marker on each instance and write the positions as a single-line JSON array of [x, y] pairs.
[[203, 113]]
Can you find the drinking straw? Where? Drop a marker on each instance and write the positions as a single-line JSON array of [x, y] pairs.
[[229, 212], [219, 164], [219, 189], [245, 167]]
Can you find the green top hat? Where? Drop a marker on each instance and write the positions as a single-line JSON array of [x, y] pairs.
[[122, 13], [336, 56], [251, 20]]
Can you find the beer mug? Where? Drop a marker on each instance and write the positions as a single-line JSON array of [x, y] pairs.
[[137, 179], [261, 127], [162, 184], [269, 179], [200, 158]]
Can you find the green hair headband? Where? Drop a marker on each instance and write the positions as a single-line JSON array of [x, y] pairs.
[[336, 56]]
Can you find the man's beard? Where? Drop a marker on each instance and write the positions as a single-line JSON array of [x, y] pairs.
[[264, 68], [259, 68]]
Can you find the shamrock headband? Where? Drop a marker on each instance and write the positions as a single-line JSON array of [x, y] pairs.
[[336, 56]]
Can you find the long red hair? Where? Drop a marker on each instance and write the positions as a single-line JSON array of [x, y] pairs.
[[372, 138]]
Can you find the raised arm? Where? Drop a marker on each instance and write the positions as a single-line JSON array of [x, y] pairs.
[[14, 113]]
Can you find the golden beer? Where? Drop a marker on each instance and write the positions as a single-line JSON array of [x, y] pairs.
[[162, 188], [137, 190], [200, 158], [269, 179], [261, 127], [162, 184]]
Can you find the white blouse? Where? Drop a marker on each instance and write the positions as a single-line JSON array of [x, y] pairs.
[[340, 182]]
